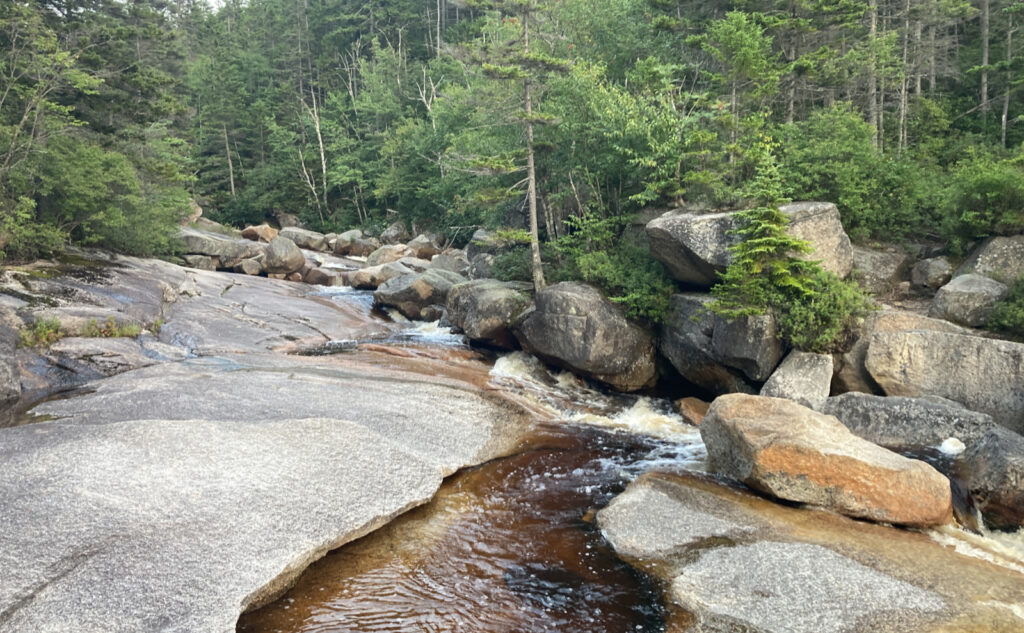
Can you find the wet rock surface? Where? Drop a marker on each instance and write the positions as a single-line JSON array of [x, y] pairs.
[[485, 310], [794, 453], [410, 294], [993, 469], [901, 423], [738, 562]]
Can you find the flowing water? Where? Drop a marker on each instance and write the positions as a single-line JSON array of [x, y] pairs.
[[511, 545]]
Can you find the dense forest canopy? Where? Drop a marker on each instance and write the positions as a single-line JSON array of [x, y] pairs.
[[113, 113]]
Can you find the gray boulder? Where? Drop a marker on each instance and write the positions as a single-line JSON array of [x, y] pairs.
[[791, 452], [685, 340], [982, 374], [968, 300], [356, 246], [423, 247], [372, 277], [993, 470], [283, 256], [803, 377], [10, 376], [931, 273], [574, 326], [483, 241], [453, 262], [695, 246], [286, 220], [228, 250], [749, 344], [410, 294], [1001, 258], [880, 270], [251, 266], [310, 240], [481, 266], [901, 423], [416, 264], [395, 234], [485, 309], [200, 262], [388, 253], [850, 372]]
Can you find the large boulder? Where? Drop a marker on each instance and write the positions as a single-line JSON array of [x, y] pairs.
[[310, 240], [993, 470], [485, 308], [481, 266], [901, 423], [372, 277], [388, 253], [10, 377], [283, 257], [879, 270], [482, 242], [789, 451], [931, 273], [850, 372], [454, 261], [695, 246], [574, 326], [423, 247], [749, 344], [260, 233], [1000, 258], [355, 246], [685, 341], [803, 377], [200, 262], [968, 300], [228, 250], [395, 234], [410, 294], [980, 373]]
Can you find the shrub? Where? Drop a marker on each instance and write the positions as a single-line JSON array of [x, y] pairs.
[[42, 333], [815, 310], [111, 329], [984, 197], [1008, 316]]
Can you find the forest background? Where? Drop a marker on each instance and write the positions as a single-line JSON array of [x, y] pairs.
[[114, 113]]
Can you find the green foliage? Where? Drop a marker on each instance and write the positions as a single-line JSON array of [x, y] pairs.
[[110, 329], [597, 251], [1008, 315], [42, 333], [985, 196], [814, 309]]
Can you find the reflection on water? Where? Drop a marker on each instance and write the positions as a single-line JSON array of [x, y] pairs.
[[503, 547]]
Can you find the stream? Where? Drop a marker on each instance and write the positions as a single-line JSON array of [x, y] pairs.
[[511, 545]]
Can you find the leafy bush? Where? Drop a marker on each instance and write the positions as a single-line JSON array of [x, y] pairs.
[[984, 197], [594, 251], [1008, 316], [815, 310], [42, 333], [111, 329], [23, 239]]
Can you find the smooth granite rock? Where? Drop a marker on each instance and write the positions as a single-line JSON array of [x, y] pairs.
[[695, 246], [310, 240], [388, 253], [749, 344], [283, 257], [802, 377], [372, 277], [572, 325], [931, 273], [397, 233], [10, 378], [1000, 258], [795, 453], [485, 309], [982, 374], [993, 469], [260, 233], [879, 270], [686, 334], [968, 300], [228, 250], [410, 294], [900, 423], [794, 588]]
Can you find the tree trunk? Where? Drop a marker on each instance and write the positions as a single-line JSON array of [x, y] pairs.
[[531, 174], [231, 165], [1009, 79], [931, 60], [984, 58], [873, 114], [901, 128]]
